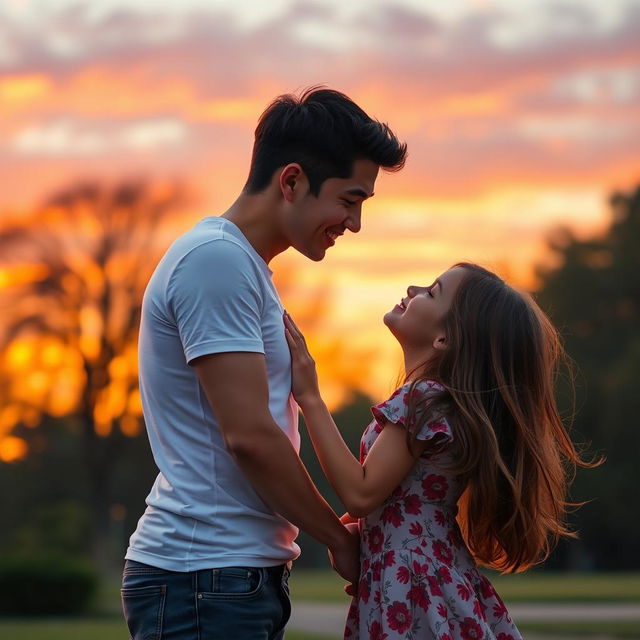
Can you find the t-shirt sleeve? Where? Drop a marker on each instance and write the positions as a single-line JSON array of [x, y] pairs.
[[215, 297], [433, 425]]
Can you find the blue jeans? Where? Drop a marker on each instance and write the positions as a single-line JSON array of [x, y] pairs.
[[232, 603]]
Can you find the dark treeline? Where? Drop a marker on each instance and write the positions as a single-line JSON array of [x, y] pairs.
[[48, 498]]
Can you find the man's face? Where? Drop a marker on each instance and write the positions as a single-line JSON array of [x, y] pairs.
[[318, 222]]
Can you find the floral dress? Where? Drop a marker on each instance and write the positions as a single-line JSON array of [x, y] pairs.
[[418, 580]]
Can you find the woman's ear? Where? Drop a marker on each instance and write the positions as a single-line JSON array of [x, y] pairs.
[[290, 179], [440, 343]]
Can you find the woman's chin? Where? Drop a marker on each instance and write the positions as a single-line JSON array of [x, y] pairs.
[[389, 322]]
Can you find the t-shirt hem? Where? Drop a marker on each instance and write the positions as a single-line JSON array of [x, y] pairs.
[[219, 346], [184, 565]]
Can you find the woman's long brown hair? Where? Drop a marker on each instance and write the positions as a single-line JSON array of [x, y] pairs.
[[511, 446]]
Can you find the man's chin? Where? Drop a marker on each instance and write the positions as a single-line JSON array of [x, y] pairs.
[[316, 255]]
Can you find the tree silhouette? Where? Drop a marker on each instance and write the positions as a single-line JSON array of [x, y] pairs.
[[72, 277], [71, 287], [594, 298]]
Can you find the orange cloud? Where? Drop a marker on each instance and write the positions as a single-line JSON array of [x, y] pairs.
[[506, 137], [18, 92]]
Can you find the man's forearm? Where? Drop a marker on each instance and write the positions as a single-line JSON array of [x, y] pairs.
[[275, 470]]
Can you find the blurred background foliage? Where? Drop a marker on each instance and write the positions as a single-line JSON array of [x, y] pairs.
[[75, 465]]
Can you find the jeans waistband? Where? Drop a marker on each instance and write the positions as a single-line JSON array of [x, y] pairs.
[[280, 571], [133, 566]]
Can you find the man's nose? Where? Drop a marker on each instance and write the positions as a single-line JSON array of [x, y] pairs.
[[353, 222]]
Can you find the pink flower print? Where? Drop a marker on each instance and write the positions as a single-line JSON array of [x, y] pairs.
[[486, 588], [412, 504], [375, 631], [434, 586], [376, 539], [445, 636], [442, 611], [470, 630], [376, 571], [442, 552], [420, 569], [418, 596], [440, 518], [354, 613], [463, 591], [505, 636], [377, 596], [364, 589], [415, 529], [389, 558], [399, 617], [403, 575], [438, 427], [454, 539], [499, 610], [396, 493], [435, 487], [478, 609], [392, 514], [395, 394], [445, 575]]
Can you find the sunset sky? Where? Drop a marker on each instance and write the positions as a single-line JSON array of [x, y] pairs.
[[519, 116]]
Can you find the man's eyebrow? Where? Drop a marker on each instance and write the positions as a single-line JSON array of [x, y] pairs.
[[361, 193]]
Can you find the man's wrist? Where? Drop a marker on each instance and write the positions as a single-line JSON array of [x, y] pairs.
[[340, 539]]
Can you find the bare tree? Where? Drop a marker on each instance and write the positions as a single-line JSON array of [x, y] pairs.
[[71, 287]]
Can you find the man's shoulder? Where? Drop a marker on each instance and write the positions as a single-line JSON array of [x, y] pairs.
[[209, 245]]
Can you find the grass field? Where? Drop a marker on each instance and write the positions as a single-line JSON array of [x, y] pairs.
[[96, 629], [110, 629], [105, 623], [325, 586]]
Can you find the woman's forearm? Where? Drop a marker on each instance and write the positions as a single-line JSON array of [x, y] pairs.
[[342, 469]]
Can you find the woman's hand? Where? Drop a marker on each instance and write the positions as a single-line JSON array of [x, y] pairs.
[[304, 379]]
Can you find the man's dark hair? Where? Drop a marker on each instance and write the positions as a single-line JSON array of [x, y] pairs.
[[325, 132]]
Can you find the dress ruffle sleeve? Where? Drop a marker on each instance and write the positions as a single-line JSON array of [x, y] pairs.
[[432, 424]]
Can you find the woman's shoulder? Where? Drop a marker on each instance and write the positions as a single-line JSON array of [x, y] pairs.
[[412, 404], [417, 390]]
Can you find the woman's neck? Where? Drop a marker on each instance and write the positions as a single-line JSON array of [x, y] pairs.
[[415, 364]]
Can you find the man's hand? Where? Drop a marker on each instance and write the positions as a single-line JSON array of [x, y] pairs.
[[345, 558]]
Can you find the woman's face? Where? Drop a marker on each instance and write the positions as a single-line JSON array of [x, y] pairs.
[[417, 321]]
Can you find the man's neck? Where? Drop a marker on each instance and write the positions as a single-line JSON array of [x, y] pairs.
[[255, 216]]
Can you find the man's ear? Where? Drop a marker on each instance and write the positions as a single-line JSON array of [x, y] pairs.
[[440, 343], [290, 181]]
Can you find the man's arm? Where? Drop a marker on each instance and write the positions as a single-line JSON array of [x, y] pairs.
[[237, 389]]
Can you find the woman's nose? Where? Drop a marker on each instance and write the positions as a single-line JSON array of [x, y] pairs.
[[413, 290]]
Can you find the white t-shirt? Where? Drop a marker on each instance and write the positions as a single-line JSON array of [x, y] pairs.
[[210, 293]]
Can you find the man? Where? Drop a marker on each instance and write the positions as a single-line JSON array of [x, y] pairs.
[[210, 555]]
